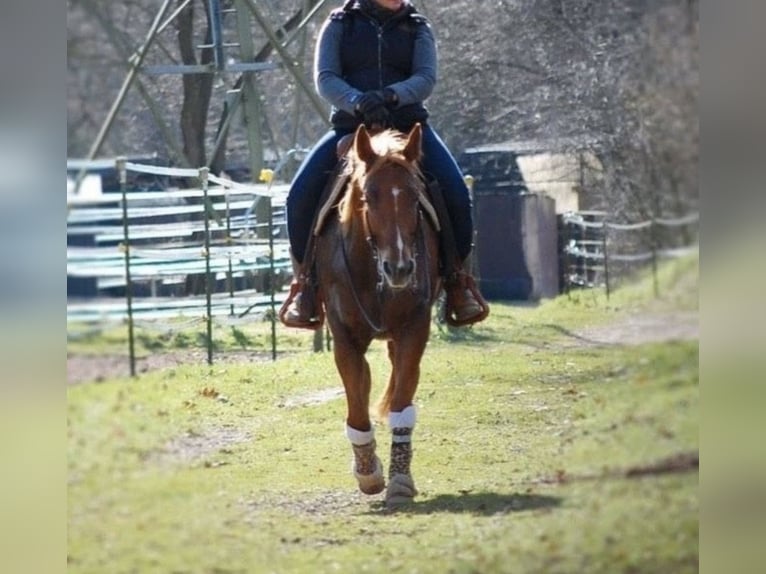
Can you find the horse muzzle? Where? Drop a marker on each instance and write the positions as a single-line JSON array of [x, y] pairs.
[[399, 275]]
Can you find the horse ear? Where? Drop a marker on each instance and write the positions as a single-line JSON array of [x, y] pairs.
[[412, 150], [362, 145]]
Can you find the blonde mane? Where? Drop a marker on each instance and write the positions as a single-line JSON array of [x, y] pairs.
[[388, 146]]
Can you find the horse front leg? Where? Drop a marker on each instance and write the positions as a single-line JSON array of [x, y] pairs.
[[405, 357], [355, 373], [366, 466], [401, 486]]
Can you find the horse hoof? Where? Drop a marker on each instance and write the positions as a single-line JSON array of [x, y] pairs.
[[374, 482], [401, 490]]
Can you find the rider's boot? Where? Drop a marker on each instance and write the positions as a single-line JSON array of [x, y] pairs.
[[301, 309], [465, 305]]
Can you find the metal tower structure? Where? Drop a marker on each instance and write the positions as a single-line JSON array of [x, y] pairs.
[[238, 56]]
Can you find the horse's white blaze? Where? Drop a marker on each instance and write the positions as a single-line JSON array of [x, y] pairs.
[[395, 191]]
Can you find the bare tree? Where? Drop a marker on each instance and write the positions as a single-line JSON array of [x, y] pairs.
[[621, 74], [197, 88]]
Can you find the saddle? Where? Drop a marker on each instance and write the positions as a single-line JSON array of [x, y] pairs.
[[337, 183], [332, 192], [432, 202]]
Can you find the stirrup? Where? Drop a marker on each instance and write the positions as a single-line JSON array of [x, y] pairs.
[[464, 281], [303, 289]]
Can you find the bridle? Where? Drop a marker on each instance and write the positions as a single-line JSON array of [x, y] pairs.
[[420, 247]]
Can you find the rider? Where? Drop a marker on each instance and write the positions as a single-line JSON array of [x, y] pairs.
[[376, 62]]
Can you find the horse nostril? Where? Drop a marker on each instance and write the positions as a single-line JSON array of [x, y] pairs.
[[387, 268], [410, 267]]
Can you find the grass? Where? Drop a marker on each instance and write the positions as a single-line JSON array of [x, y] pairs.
[[523, 441], [177, 335]]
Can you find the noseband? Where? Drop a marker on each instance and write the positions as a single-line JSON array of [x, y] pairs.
[[376, 255]]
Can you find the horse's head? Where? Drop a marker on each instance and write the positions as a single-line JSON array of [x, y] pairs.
[[390, 185]]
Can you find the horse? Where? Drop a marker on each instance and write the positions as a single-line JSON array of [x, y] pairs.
[[377, 272]]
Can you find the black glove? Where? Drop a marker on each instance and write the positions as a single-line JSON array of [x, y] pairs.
[[390, 97], [378, 116], [371, 106], [368, 101]]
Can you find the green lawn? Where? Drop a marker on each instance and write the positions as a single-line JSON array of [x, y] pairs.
[[524, 448]]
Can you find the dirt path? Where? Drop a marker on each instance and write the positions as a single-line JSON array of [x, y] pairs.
[[96, 368], [642, 328], [631, 330]]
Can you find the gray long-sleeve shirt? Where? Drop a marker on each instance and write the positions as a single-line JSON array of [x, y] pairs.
[[328, 75]]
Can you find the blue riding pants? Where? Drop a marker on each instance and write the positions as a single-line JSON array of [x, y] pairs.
[[313, 174]]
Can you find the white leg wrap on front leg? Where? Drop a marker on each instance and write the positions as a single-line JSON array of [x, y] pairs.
[[401, 487], [359, 437], [366, 466], [403, 419]]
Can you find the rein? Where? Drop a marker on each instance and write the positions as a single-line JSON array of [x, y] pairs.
[[376, 326], [352, 227], [370, 323]]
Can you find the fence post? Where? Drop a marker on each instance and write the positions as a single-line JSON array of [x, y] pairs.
[[653, 240], [605, 227], [567, 257], [203, 173], [122, 172], [229, 244], [272, 276]]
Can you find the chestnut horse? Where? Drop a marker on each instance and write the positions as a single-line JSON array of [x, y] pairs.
[[377, 269]]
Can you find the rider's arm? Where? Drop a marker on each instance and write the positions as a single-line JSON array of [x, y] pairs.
[[421, 83], [328, 77], [333, 88]]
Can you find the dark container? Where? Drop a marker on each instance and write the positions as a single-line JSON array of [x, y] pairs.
[[517, 246]]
